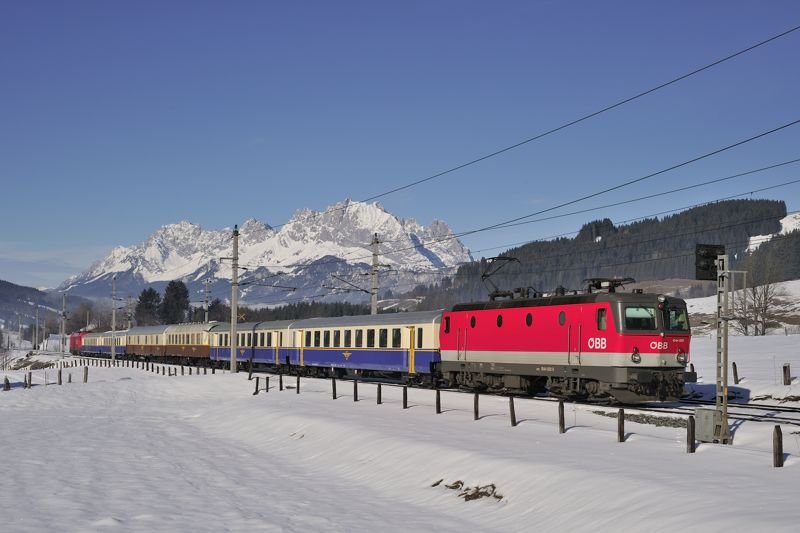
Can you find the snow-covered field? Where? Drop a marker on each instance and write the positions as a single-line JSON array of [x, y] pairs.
[[133, 451]]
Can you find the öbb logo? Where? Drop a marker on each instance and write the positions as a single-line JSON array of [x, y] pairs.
[[659, 345], [597, 343]]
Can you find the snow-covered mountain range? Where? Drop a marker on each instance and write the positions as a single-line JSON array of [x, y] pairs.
[[304, 254]]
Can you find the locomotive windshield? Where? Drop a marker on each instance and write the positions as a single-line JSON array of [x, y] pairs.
[[675, 319], [640, 317]]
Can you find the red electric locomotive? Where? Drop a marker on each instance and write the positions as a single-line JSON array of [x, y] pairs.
[[596, 346], [76, 341]]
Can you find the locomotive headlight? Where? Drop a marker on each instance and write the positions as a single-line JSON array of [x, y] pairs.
[[635, 356], [682, 358]]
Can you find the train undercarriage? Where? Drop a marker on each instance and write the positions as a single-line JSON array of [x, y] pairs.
[[592, 384]]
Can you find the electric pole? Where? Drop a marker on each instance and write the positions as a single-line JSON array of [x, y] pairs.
[[207, 283], [722, 432], [63, 331], [36, 337], [114, 317], [234, 297], [129, 311], [374, 292]]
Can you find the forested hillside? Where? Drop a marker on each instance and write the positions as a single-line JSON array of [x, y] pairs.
[[650, 249]]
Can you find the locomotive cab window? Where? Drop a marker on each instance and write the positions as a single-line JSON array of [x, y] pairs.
[[602, 320], [447, 324], [676, 319], [640, 318]]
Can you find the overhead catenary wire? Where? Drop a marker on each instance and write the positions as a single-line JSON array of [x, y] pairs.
[[573, 122], [609, 265], [559, 128], [503, 224]]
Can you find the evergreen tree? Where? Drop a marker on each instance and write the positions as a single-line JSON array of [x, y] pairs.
[[175, 305], [148, 308]]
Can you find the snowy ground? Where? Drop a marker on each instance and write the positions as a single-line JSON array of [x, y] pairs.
[[133, 451]]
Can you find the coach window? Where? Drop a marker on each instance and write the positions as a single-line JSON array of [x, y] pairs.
[[562, 318], [447, 324], [316, 338], [269, 339], [601, 319], [370, 338], [419, 337], [337, 338], [326, 339], [249, 339], [472, 322], [499, 321], [308, 338], [396, 337], [348, 338], [383, 338], [359, 338]]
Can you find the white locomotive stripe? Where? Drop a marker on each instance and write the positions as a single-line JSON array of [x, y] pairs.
[[611, 359]]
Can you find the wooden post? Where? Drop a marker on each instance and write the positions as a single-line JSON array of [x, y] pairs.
[[69, 377], [214, 370], [735, 374], [475, 407], [190, 371], [690, 440], [205, 370], [249, 369], [777, 447], [6, 384], [787, 374], [511, 411], [561, 426], [355, 390], [380, 400], [438, 402], [30, 380], [280, 381], [621, 425], [297, 389], [59, 376], [266, 384], [256, 392], [405, 397], [183, 371], [85, 374], [333, 388]]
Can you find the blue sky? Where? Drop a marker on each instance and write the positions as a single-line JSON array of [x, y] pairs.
[[117, 118]]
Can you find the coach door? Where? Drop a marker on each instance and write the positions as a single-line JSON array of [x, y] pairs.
[[298, 342], [461, 343], [574, 327]]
